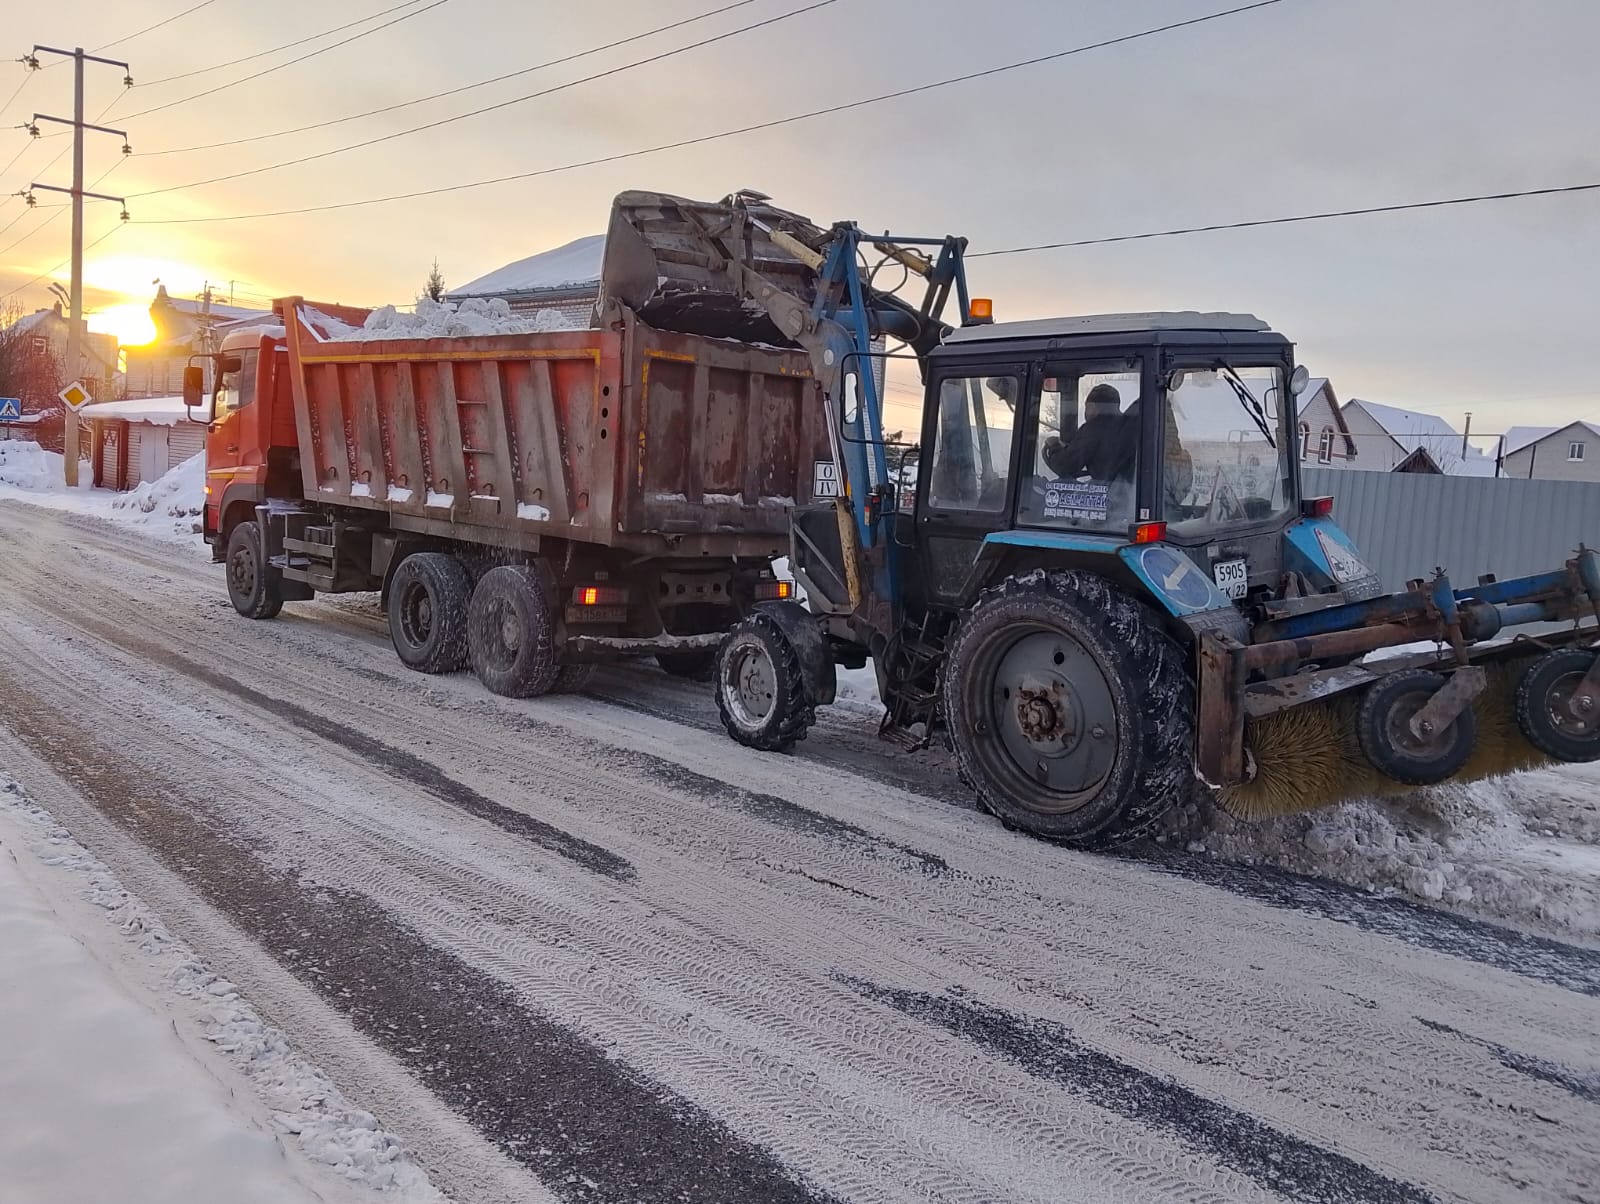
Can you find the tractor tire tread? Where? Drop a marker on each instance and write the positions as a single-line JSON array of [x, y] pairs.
[[795, 712]]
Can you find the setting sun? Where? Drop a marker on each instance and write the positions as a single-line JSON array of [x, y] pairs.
[[130, 323]]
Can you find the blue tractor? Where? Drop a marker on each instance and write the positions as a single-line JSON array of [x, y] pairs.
[[1093, 569]]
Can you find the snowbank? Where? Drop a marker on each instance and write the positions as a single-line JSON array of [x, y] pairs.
[[444, 320], [160, 411], [1524, 848], [167, 509], [100, 1098]]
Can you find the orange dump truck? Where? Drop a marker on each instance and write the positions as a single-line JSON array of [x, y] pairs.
[[531, 503]]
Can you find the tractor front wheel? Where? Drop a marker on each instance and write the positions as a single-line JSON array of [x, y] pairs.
[[1070, 709], [761, 688]]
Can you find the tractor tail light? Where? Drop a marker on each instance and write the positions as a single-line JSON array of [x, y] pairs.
[[1149, 532], [599, 595], [1316, 507], [774, 591]]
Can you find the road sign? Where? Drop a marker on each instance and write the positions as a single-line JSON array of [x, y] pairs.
[[10, 407], [74, 395]]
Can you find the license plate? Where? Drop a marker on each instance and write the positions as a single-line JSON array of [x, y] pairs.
[[1232, 578]]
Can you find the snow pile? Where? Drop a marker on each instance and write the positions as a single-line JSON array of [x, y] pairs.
[[446, 320], [128, 1090], [167, 508], [28, 466], [1524, 848]]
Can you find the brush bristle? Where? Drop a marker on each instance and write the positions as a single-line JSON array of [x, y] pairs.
[[1309, 757]]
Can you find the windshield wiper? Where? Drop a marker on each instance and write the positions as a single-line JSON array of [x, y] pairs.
[[1248, 400]]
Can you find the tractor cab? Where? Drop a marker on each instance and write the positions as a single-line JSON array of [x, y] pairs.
[[1091, 438]]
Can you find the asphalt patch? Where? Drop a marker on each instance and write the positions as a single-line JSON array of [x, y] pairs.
[[1277, 1161]]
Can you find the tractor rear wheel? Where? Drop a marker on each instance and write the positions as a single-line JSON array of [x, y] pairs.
[[428, 598], [1552, 711], [761, 689], [511, 632], [1070, 710], [1383, 727]]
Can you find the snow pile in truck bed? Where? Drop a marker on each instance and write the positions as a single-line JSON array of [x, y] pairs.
[[448, 320], [1524, 848]]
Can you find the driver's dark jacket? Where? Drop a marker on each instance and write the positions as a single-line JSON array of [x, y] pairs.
[[1102, 448]]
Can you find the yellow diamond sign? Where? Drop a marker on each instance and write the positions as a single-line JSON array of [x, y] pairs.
[[74, 395]]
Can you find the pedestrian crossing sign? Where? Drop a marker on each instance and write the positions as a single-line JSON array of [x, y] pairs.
[[10, 407]]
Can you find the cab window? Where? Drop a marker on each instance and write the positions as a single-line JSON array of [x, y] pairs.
[[972, 443], [238, 389], [1085, 441]]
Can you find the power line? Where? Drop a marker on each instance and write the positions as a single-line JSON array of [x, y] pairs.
[[56, 209], [62, 264], [234, 83], [27, 76], [167, 79], [150, 28], [483, 83], [654, 58], [1302, 217], [724, 134]]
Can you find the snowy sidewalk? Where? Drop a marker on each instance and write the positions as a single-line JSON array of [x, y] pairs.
[[99, 1099]]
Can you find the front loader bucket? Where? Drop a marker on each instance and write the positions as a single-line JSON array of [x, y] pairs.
[[667, 259]]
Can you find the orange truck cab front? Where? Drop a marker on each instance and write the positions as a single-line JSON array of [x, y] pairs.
[[252, 452]]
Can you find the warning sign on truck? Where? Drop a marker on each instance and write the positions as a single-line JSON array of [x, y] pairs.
[[825, 479]]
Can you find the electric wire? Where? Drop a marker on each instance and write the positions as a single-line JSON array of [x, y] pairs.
[[1438, 203], [606, 74], [234, 83], [724, 134], [483, 83], [151, 28], [30, 283]]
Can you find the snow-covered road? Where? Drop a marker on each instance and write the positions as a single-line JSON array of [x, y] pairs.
[[584, 948]]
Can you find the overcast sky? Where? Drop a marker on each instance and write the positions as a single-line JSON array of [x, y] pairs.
[[1302, 106]]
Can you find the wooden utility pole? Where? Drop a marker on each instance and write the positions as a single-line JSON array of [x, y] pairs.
[[75, 319]]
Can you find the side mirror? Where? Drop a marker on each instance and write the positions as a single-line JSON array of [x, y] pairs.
[[229, 363], [194, 386]]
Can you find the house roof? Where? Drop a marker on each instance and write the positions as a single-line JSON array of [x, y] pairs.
[[1519, 437], [95, 342], [574, 265], [161, 411], [1414, 429], [1321, 384], [219, 312]]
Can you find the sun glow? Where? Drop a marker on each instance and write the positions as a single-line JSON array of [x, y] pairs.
[[129, 322]]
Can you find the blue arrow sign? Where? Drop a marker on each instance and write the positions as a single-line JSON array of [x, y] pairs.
[[10, 407]]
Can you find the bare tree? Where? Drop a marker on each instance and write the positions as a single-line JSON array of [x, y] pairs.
[[29, 369]]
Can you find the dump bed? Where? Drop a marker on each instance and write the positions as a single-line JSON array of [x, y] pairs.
[[628, 436]]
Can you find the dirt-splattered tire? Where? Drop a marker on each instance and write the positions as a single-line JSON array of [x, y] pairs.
[[1543, 711], [1070, 711], [695, 664], [428, 599], [574, 678], [1384, 733], [761, 691], [253, 585], [511, 632]]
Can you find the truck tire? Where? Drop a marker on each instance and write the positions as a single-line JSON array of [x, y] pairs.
[[1070, 710], [696, 664], [574, 678], [511, 632], [761, 690], [428, 599], [254, 587]]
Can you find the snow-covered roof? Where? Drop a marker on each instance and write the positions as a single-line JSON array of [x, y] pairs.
[[219, 312], [161, 411], [575, 265], [1519, 437], [1413, 429]]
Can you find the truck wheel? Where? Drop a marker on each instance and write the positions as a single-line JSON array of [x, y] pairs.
[[1544, 706], [428, 599], [1383, 727], [1070, 710], [574, 678], [253, 585], [761, 692], [695, 664], [511, 633]]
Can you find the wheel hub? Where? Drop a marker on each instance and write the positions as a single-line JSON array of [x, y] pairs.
[[751, 686], [1572, 709], [1053, 714]]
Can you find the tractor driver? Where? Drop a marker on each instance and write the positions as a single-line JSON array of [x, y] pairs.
[[1103, 446]]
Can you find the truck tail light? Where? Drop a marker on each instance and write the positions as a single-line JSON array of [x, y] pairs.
[[770, 591], [1316, 507], [1149, 532], [599, 595]]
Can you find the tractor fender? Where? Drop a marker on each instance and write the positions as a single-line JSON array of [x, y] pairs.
[[1319, 550], [804, 634]]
